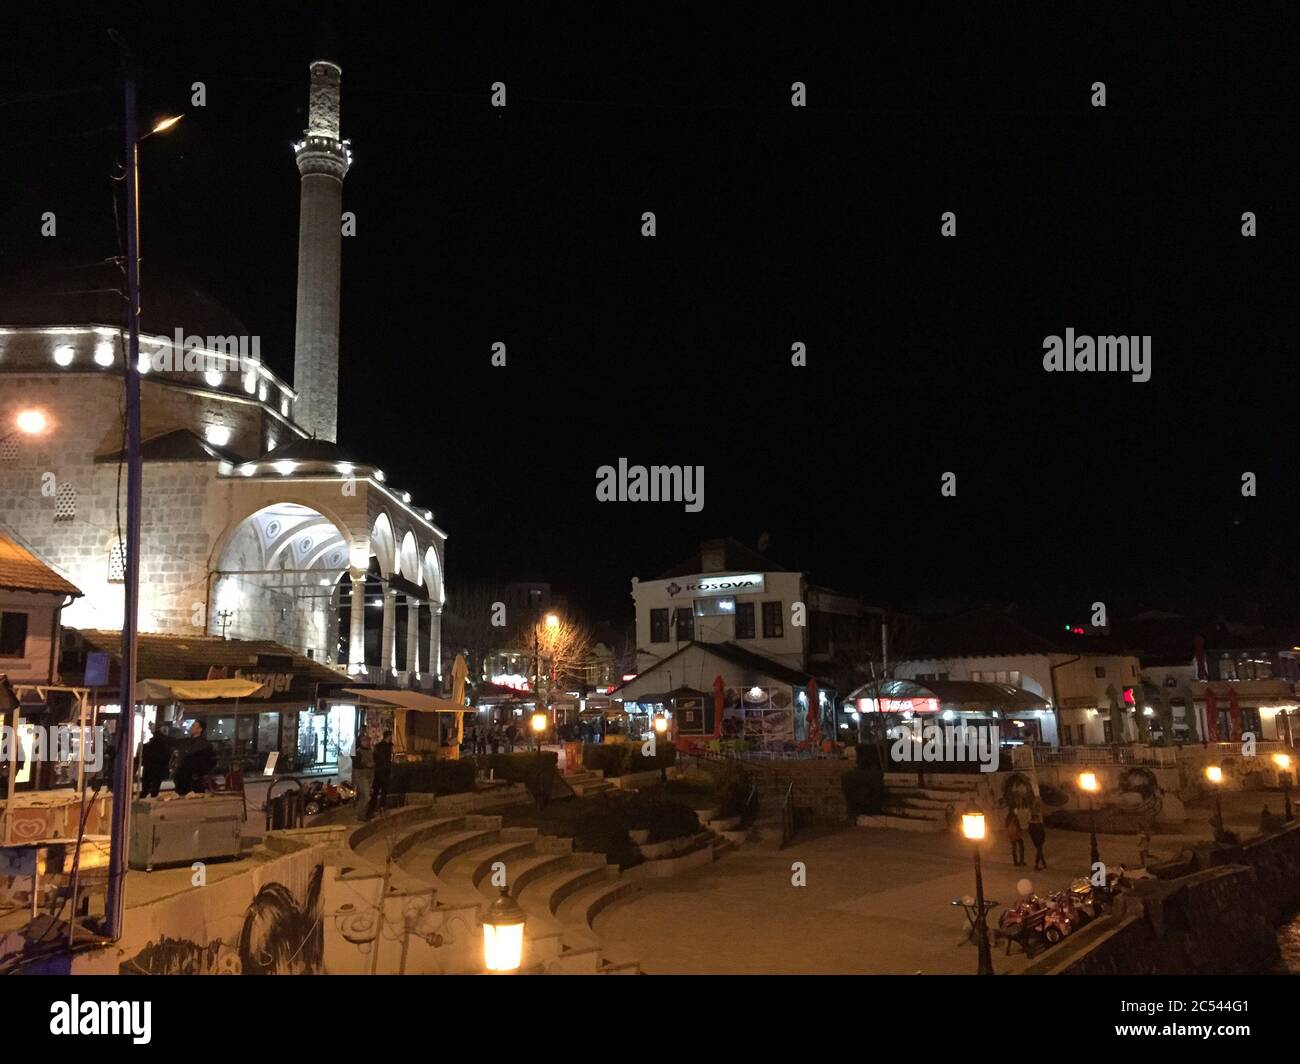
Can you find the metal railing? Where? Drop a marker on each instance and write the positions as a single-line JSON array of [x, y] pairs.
[[787, 816]]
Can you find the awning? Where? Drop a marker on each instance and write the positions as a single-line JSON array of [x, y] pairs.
[[196, 690], [411, 700]]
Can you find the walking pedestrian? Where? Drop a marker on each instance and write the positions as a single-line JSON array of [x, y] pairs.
[[1037, 834], [1012, 824], [363, 771], [383, 762]]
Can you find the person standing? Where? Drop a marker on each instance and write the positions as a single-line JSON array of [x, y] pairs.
[[363, 770], [1012, 824], [383, 762], [155, 760], [1037, 835], [1144, 846], [198, 762]]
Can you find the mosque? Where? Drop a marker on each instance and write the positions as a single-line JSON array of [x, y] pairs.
[[256, 524]]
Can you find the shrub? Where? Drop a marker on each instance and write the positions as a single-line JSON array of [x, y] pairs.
[[605, 757], [604, 831], [735, 793], [431, 777], [663, 819], [665, 757], [864, 791]]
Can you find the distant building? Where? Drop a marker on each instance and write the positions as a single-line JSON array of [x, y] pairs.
[[32, 598]]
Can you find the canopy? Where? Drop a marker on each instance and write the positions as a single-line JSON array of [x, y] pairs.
[[411, 700], [195, 690]]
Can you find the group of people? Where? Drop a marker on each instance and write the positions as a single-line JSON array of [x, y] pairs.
[[188, 764], [495, 738], [1037, 834], [372, 770]]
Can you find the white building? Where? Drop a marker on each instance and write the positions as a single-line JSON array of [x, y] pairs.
[[255, 523], [1079, 675]]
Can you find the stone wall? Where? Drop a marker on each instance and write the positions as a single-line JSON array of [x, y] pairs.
[[1215, 913]]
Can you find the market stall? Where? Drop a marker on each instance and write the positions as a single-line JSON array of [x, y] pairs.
[[422, 724]]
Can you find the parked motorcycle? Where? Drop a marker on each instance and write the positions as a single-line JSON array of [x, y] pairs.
[[319, 796]]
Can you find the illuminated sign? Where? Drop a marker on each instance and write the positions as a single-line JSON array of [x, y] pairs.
[[898, 705], [739, 584], [519, 683]]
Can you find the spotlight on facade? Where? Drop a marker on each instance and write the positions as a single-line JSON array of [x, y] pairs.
[[31, 422], [104, 353], [503, 935]]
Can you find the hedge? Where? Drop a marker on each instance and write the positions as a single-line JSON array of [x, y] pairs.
[[663, 819], [431, 777], [604, 831], [605, 757], [735, 792], [665, 757]]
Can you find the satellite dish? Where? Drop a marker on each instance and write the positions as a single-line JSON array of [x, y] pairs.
[[763, 541]]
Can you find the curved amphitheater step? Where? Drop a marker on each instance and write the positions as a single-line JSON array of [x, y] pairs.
[[561, 891], [920, 805]]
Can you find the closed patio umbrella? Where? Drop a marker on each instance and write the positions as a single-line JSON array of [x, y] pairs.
[[1211, 714], [814, 713], [1234, 713]]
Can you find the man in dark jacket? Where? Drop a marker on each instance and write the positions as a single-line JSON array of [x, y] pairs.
[[383, 770], [155, 758], [200, 760]]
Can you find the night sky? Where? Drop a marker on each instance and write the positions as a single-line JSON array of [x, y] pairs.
[[775, 225]]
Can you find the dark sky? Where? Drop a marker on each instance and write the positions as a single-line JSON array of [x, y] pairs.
[[775, 225]]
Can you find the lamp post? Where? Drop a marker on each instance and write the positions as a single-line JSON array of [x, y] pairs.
[[124, 751], [503, 935], [539, 725], [972, 827], [1214, 774], [1088, 783], [1283, 762], [661, 729]]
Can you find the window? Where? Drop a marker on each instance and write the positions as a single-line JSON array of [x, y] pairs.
[[772, 626], [65, 502], [1067, 735], [13, 635], [922, 677], [1100, 672], [685, 624], [744, 620], [658, 626], [715, 607]]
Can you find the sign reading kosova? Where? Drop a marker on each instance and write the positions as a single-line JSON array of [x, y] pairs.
[[737, 584]]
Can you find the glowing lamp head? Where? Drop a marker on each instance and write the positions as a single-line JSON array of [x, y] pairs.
[[1214, 774], [539, 722], [1088, 782], [661, 724], [164, 124], [552, 621], [1282, 761], [31, 422], [503, 934], [972, 826]]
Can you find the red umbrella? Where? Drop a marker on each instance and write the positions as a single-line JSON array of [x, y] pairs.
[[1211, 715], [1234, 713], [814, 713], [718, 702]]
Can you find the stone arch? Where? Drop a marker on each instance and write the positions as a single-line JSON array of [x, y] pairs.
[[409, 559], [383, 544], [433, 577]]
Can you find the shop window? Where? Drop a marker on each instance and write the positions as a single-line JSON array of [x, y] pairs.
[[773, 626], [685, 624], [658, 626], [723, 606], [13, 634], [1108, 732], [744, 620]]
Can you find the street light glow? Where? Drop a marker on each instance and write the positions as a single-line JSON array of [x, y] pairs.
[[1088, 782], [552, 621], [539, 721], [1214, 773], [503, 934], [1282, 761], [164, 124], [31, 422], [972, 826]]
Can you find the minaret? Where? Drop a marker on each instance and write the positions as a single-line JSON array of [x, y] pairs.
[[323, 160]]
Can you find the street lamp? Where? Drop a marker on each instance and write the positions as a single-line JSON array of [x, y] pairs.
[[503, 935], [661, 728], [29, 423], [1088, 783], [115, 904], [972, 827], [539, 722], [1283, 762], [1214, 774]]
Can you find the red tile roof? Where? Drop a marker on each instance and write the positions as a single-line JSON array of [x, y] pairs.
[[21, 570]]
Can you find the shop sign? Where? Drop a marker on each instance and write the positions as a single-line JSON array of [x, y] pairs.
[[277, 683], [898, 705], [740, 584]]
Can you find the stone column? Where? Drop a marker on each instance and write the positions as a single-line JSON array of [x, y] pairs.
[[357, 634], [332, 624], [412, 635], [435, 639], [387, 650]]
